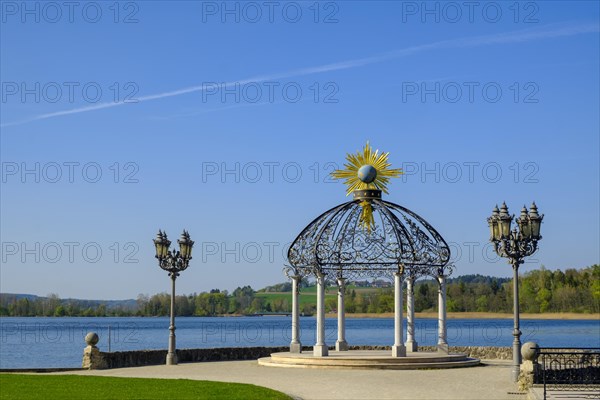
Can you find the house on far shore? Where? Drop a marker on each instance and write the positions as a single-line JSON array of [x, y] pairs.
[[380, 283]]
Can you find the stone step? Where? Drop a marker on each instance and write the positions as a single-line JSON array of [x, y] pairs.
[[369, 360]]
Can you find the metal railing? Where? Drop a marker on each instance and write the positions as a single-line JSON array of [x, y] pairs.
[[569, 369]]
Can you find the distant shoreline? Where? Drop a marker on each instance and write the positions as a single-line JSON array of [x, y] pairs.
[[421, 315], [478, 315]]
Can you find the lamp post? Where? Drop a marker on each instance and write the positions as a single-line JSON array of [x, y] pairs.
[[515, 245], [173, 262]]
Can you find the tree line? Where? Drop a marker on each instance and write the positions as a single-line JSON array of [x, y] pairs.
[[541, 290]]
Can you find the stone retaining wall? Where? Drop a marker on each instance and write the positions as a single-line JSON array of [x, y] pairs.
[[481, 352], [138, 358]]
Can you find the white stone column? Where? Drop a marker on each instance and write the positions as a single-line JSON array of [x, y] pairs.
[[398, 349], [295, 345], [442, 344], [320, 349], [341, 344], [411, 344]]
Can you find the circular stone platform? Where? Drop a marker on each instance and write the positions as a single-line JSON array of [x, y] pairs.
[[368, 359]]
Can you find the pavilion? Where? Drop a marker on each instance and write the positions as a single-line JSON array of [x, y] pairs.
[[368, 237]]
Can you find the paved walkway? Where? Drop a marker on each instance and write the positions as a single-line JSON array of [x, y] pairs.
[[488, 382]]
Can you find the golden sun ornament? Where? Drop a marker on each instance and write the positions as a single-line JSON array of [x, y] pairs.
[[366, 170]]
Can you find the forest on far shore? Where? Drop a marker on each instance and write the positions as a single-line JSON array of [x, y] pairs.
[[540, 291]]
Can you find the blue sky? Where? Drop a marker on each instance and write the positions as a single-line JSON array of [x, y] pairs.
[[226, 118]]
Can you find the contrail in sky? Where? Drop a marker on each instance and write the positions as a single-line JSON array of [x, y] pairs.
[[547, 32]]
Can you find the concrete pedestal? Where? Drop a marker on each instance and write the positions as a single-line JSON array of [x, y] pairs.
[[398, 351], [341, 346], [171, 359], [320, 350], [93, 359], [412, 347], [296, 347], [443, 348]]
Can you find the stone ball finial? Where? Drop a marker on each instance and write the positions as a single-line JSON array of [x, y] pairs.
[[530, 351], [92, 338]]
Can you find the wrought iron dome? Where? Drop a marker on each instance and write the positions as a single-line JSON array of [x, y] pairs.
[[368, 236]]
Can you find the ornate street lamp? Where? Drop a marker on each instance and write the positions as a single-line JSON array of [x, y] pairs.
[[515, 245], [173, 262]]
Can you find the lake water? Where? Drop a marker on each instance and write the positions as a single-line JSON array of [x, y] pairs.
[[58, 342]]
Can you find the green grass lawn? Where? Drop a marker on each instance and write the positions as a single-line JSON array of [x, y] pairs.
[[18, 386]]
